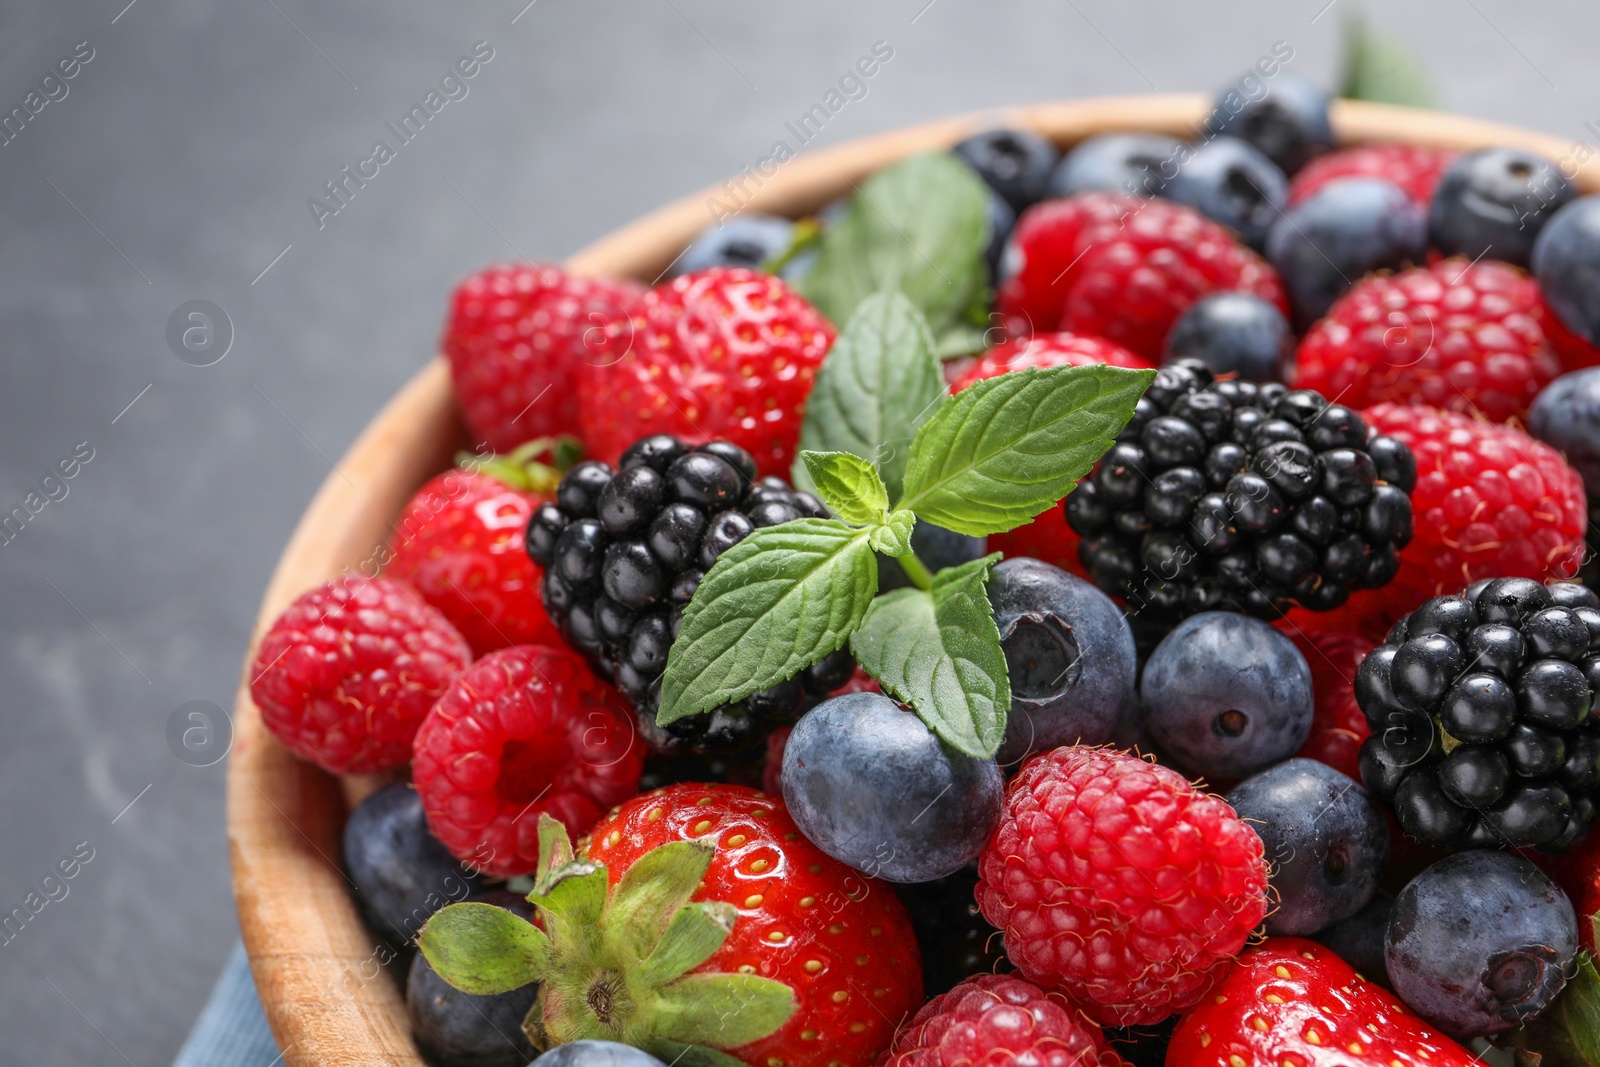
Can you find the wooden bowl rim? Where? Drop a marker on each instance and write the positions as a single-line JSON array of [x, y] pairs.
[[312, 959]]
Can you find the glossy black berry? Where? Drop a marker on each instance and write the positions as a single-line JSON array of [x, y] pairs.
[[705, 481], [579, 552], [675, 535], [579, 491], [657, 452], [544, 528], [725, 530], [1242, 496], [734, 456], [631, 499], [1502, 675]]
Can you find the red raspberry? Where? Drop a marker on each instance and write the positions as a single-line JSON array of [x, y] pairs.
[[998, 1020], [526, 730], [1047, 537], [1575, 353], [1454, 335], [459, 542], [1415, 168], [516, 334], [1338, 726], [346, 675], [1043, 248], [1490, 502], [725, 353], [1124, 269], [1120, 884]]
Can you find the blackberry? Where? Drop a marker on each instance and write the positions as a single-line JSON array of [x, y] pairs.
[[1482, 712], [956, 941], [1229, 495], [623, 551]]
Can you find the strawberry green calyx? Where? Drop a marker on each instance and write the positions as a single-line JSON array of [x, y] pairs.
[[522, 468], [613, 963]]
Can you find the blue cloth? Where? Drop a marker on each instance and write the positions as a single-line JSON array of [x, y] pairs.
[[231, 1030]]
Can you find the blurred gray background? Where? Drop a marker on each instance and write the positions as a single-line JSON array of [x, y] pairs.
[[177, 167]]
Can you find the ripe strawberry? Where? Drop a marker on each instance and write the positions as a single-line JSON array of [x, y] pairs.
[[697, 916], [1048, 537], [1292, 1001], [1578, 874], [527, 730], [346, 674], [1338, 726], [515, 337], [995, 1020], [459, 543], [1118, 883], [1415, 168], [1455, 335], [1122, 268], [725, 353]]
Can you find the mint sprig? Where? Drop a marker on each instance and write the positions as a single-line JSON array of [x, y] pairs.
[[918, 228], [885, 446], [939, 651], [1379, 68]]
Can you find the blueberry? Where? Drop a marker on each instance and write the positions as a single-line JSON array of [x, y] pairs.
[[935, 546], [596, 1054], [1358, 940], [1566, 261], [1070, 654], [1002, 220], [1288, 123], [1014, 163], [1345, 230], [1493, 202], [1234, 333], [1325, 838], [1141, 164], [1227, 695], [457, 1029], [1566, 415], [746, 240], [1480, 942], [401, 873], [1230, 181], [870, 785]]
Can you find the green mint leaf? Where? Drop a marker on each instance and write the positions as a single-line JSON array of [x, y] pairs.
[[1567, 1034], [893, 537], [722, 1010], [849, 485], [939, 651], [1379, 68], [774, 603], [880, 382], [1000, 452], [482, 949], [919, 226]]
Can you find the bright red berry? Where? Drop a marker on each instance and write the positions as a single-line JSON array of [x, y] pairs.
[[527, 730], [842, 942], [999, 1020], [1122, 268], [346, 675], [726, 353], [1490, 502], [515, 337], [1574, 352], [1047, 537], [1120, 884], [1455, 335], [459, 542], [1293, 1001], [1338, 726], [1415, 168]]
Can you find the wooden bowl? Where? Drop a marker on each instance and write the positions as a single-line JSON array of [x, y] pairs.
[[313, 959]]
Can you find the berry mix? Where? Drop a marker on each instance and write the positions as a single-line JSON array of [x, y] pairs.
[[1129, 606]]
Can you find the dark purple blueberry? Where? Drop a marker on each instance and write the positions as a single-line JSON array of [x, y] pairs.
[[1015, 163], [1492, 203], [748, 239]]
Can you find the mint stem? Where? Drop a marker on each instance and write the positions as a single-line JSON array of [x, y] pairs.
[[917, 571]]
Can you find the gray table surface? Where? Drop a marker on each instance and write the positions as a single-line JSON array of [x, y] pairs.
[[178, 167]]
